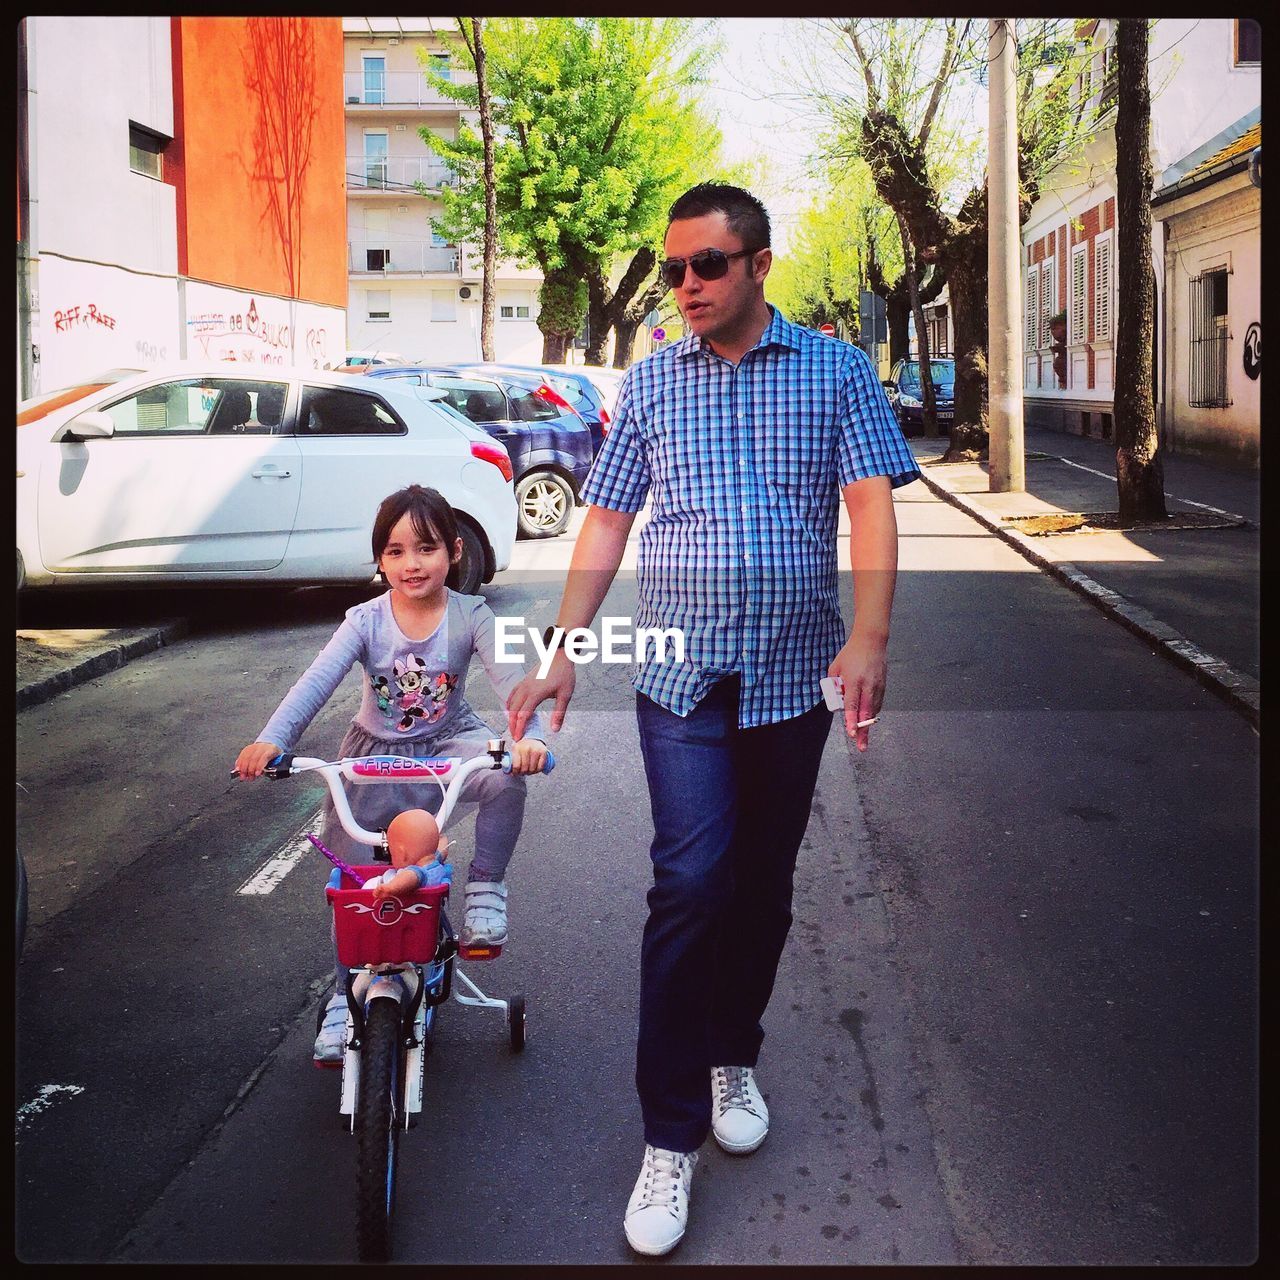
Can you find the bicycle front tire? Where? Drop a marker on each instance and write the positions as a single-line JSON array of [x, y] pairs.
[[379, 1118]]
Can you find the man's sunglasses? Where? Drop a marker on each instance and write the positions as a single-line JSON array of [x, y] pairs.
[[707, 264]]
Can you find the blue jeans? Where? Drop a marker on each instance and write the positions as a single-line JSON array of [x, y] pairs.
[[730, 807]]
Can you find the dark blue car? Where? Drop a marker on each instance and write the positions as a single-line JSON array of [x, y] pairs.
[[906, 395], [549, 443], [577, 388]]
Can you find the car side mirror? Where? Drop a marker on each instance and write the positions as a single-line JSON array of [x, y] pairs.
[[91, 425]]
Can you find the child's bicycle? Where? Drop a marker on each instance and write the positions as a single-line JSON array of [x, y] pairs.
[[401, 958]]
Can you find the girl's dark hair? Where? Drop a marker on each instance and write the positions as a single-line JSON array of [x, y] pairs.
[[431, 516]]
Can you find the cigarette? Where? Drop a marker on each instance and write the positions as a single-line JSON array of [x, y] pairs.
[[863, 724]]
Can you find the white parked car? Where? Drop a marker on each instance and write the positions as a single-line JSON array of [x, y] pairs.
[[221, 474]]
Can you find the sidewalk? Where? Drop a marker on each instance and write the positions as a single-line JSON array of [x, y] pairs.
[[1190, 588], [50, 661]]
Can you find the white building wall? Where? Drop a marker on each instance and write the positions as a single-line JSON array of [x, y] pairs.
[[418, 329], [1196, 92], [92, 76], [1219, 228]]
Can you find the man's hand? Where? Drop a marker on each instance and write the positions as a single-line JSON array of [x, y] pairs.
[[861, 665], [531, 692], [529, 755]]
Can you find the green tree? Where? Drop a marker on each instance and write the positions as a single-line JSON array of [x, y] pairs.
[[896, 119], [583, 166]]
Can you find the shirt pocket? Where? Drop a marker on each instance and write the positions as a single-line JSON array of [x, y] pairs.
[[796, 455]]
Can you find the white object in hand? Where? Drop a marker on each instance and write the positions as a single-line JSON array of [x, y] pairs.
[[833, 690]]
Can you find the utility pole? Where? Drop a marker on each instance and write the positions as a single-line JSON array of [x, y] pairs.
[[1004, 329]]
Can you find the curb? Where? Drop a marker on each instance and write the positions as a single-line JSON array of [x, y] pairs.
[[1241, 692], [97, 664]]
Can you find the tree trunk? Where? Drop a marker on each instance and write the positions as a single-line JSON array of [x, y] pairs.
[[929, 405], [624, 340], [1139, 469], [555, 347], [599, 318], [488, 349], [897, 308], [968, 281]]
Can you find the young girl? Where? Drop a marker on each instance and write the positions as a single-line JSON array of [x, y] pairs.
[[415, 643]]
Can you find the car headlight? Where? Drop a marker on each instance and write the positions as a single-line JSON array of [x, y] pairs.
[[908, 402]]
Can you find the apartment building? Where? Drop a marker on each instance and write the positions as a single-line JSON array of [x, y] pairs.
[[411, 292], [180, 194], [1205, 76]]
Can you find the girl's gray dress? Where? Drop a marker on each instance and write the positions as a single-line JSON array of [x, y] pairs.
[[414, 704]]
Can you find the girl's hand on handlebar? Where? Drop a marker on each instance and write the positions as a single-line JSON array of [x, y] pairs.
[[251, 762], [529, 755]]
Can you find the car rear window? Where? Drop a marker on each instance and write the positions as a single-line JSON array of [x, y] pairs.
[[527, 406], [332, 411]]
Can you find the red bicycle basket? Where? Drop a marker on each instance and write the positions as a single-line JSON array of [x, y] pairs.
[[399, 930]]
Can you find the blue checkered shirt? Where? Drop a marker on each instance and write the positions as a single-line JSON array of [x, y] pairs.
[[744, 465]]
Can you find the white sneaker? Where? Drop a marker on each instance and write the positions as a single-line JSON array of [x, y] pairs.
[[486, 918], [331, 1039], [658, 1210], [739, 1117]]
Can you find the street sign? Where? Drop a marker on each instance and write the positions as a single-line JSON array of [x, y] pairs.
[[828, 329], [659, 333]]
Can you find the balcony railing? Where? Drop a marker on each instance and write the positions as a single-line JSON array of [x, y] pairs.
[[397, 173], [400, 257], [392, 89]]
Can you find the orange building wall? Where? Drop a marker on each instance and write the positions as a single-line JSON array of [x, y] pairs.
[[259, 155]]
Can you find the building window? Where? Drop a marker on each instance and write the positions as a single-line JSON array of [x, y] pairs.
[[375, 78], [1209, 338], [1103, 284], [146, 151], [1048, 303], [514, 306], [377, 259], [1077, 299], [378, 306], [1030, 311], [1248, 41], [439, 65], [444, 306]]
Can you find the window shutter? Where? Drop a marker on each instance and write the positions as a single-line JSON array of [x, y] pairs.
[[1077, 299], [1046, 303], [1102, 290], [1029, 319]]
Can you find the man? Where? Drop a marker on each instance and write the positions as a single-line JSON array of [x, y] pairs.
[[740, 434]]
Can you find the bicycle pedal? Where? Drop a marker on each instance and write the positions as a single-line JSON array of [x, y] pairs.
[[487, 951]]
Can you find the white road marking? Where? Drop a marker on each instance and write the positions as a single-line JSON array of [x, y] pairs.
[[276, 867], [45, 1097], [1204, 506]]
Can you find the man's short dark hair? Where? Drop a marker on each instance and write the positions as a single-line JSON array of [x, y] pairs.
[[747, 217]]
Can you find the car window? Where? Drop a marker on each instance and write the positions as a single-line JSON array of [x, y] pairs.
[[475, 399], [573, 391], [201, 406], [939, 371], [330, 411], [528, 407]]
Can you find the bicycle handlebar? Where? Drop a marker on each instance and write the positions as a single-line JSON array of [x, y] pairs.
[[375, 769]]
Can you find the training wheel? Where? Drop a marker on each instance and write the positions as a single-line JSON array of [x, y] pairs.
[[515, 1022]]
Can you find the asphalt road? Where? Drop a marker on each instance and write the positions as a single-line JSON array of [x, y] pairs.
[[1016, 1021]]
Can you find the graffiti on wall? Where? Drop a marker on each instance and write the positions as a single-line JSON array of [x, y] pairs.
[[243, 336], [89, 314]]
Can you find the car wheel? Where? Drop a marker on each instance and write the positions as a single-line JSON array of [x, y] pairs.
[[544, 503], [471, 565]]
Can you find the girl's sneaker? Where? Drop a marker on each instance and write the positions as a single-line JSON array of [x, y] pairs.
[[485, 923], [331, 1035]]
